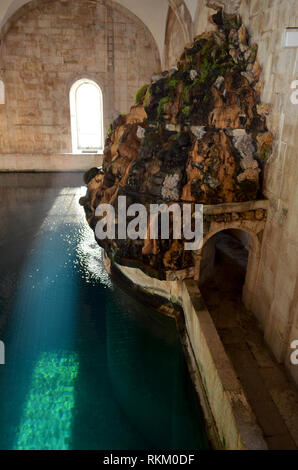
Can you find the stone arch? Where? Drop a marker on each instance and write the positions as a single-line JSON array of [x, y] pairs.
[[184, 18], [179, 32], [254, 253], [19, 13], [235, 226]]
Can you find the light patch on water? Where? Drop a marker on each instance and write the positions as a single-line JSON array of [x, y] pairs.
[[65, 209], [89, 260], [47, 420]]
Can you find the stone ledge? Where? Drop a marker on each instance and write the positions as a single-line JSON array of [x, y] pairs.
[[48, 162], [236, 207], [236, 424]]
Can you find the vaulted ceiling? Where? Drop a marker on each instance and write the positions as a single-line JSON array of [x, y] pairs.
[[153, 13]]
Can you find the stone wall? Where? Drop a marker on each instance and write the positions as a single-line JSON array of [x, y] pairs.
[[46, 47], [275, 295]]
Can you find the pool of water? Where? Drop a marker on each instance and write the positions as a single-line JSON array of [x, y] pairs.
[[87, 366]]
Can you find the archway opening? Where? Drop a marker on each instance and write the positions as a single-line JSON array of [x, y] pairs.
[[86, 111], [222, 277], [224, 262], [223, 274]]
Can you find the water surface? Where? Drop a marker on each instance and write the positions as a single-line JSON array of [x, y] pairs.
[[87, 366]]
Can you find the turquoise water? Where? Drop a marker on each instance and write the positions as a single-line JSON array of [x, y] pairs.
[[87, 366]]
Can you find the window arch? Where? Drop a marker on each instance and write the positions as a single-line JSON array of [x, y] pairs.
[[86, 112]]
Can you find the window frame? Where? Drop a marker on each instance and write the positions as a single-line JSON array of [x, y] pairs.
[[74, 118]]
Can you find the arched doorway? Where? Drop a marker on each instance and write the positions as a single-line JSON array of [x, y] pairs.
[[223, 271], [227, 247]]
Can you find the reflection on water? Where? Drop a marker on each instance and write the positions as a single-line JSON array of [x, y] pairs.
[[89, 259], [87, 367]]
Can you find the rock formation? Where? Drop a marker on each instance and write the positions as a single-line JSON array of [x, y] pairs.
[[196, 134]]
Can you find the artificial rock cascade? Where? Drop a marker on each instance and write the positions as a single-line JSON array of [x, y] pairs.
[[196, 134]]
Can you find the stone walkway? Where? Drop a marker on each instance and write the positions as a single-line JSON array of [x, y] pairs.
[[270, 392]]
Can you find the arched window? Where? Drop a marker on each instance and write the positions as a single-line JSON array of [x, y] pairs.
[[2, 92], [86, 111]]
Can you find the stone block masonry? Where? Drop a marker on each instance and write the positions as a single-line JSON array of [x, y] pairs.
[[46, 47], [275, 297]]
